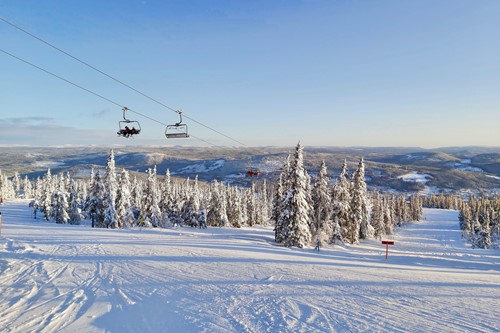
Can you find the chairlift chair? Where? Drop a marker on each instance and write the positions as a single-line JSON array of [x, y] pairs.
[[177, 130], [127, 127]]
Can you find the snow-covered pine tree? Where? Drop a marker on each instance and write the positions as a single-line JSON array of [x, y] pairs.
[[16, 183], [37, 195], [191, 205], [6, 187], [322, 206], [388, 213], [60, 201], [415, 208], [27, 188], [264, 203], [124, 211], [217, 214], [151, 214], [75, 213], [166, 199], [249, 199], [297, 210], [360, 214], [341, 207], [377, 216], [482, 239], [234, 211], [137, 195], [109, 200], [46, 195], [94, 205], [279, 192]]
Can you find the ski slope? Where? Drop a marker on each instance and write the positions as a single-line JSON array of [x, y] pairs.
[[63, 278]]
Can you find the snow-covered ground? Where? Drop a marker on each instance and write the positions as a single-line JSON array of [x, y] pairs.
[[201, 167], [63, 278], [415, 177]]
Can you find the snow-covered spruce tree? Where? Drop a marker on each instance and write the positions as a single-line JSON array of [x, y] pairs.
[[415, 208], [360, 215], [37, 195], [482, 239], [6, 187], [296, 215], [94, 205], [341, 207], [234, 212], [377, 216], [279, 196], [174, 215], [322, 206], [166, 199], [191, 207], [46, 195], [75, 213], [465, 218], [60, 201], [401, 211], [217, 214], [16, 183], [27, 188], [109, 200], [137, 196], [249, 199], [264, 203], [388, 211], [150, 213], [124, 211]]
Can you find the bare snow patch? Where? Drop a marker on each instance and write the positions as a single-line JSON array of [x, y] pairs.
[[47, 164], [201, 167], [416, 177]]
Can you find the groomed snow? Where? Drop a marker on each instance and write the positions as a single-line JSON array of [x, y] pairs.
[[63, 278]]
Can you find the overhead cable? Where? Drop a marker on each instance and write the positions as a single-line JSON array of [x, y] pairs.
[[116, 80], [93, 92]]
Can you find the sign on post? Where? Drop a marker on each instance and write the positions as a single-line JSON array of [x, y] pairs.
[[387, 243]]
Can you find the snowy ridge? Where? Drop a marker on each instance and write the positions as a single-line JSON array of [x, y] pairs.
[[77, 279]]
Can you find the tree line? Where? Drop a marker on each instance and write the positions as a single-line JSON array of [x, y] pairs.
[[342, 212], [303, 210]]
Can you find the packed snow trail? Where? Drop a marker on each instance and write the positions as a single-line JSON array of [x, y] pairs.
[[64, 278]]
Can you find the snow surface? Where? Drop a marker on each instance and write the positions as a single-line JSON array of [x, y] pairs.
[[201, 167], [63, 278], [48, 164], [416, 177]]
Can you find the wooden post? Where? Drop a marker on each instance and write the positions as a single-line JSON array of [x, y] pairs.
[[387, 243]]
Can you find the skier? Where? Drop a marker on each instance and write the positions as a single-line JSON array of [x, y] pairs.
[[318, 243]]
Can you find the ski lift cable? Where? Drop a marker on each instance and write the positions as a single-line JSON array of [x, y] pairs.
[[116, 80], [93, 92]]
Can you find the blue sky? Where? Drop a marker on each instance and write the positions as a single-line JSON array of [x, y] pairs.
[[327, 73]]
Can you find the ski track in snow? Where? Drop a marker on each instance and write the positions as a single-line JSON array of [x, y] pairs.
[[63, 278]]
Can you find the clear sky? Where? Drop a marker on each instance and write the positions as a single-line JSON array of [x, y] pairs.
[[263, 72]]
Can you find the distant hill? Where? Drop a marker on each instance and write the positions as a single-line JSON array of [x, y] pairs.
[[457, 170]]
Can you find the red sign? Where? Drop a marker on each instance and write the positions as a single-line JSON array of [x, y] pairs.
[[387, 243]]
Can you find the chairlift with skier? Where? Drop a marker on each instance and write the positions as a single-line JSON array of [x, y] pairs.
[[128, 128]]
